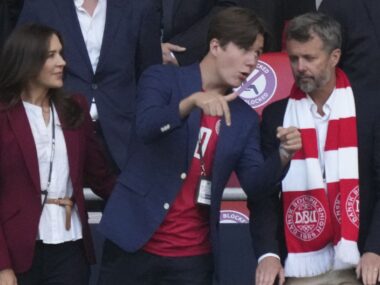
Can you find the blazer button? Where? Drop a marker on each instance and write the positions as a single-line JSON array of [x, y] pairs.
[[183, 175], [166, 206], [94, 86], [165, 128]]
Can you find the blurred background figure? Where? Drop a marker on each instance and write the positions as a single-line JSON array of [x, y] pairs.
[[184, 28], [360, 20], [108, 43], [9, 12], [185, 24]]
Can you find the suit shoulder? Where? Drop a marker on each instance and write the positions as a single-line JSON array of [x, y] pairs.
[[240, 109], [33, 1], [277, 107], [4, 108], [36, 3], [160, 71], [145, 5], [158, 68], [245, 107], [4, 111]]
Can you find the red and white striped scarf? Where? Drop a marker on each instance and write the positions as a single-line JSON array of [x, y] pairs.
[[322, 225]]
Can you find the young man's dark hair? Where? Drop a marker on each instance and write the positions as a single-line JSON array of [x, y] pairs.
[[238, 25]]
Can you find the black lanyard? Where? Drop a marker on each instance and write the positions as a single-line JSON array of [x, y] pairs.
[[46, 190], [202, 162]]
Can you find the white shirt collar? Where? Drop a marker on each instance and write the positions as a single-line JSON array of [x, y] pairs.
[[78, 3], [326, 107]]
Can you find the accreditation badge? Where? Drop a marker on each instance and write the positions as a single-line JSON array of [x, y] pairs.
[[203, 193]]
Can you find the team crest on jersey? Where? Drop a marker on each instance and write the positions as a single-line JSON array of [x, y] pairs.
[[306, 218], [352, 206], [232, 217], [261, 87]]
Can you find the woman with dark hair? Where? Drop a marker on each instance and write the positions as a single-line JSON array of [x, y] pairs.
[[48, 153]]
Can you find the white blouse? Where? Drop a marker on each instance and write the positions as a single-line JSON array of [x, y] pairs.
[[51, 228]]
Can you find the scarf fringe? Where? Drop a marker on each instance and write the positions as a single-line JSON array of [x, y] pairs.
[[347, 251], [309, 264]]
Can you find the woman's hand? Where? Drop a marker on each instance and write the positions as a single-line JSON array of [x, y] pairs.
[[7, 277]]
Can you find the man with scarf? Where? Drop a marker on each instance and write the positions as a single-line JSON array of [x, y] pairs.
[[326, 224]]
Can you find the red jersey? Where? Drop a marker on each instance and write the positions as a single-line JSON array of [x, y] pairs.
[[185, 229]]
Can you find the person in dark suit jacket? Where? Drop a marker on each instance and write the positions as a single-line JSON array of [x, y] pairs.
[[275, 13], [4, 22], [9, 11], [48, 153], [184, 29], [185, 24], [130, 43], [158, 229], [361, 41], [314, 63]]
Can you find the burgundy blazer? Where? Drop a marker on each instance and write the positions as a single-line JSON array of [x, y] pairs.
[[20, 189]]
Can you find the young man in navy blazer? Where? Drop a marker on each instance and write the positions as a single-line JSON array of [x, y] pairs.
[[191, 133]]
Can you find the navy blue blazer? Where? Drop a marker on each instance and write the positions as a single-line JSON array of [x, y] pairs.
[[162, 148], [131, 42]]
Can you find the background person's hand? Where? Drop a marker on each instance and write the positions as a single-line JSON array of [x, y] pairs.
[[268, 269], [369, 268], [167, 53]]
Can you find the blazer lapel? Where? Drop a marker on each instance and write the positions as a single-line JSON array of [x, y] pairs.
[[23, 133], [191, 82], [193, 126], [224, 145], [73, 30], [228, 140], [72, 147], [114, 15]]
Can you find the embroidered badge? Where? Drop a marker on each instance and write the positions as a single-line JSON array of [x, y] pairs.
[[306, 218]]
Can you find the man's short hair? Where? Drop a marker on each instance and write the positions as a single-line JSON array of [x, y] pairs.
[[237, 25], [304, 27]]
